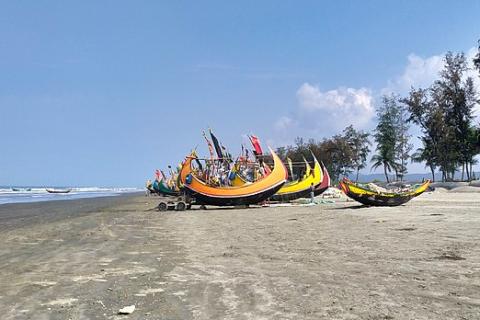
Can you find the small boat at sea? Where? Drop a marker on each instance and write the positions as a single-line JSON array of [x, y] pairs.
[[366, 196], [21, 189], [55, 190]]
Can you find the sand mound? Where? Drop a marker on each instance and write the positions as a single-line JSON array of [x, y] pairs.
[[465, 189], [449, 185], [475, 183]]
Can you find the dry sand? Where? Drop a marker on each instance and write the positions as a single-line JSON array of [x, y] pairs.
[[86, 259]]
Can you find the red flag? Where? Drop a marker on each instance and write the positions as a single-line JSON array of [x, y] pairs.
[[256, 145], [158, 175]]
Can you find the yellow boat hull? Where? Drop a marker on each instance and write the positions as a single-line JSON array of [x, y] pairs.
[[385, 199], [301, 188]]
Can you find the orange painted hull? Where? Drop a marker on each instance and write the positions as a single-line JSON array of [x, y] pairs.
[[247, 194]]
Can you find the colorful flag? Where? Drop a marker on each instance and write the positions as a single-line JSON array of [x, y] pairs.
[[226, 154], [216, 144], [256, 145], [163, 174], [210, 147]]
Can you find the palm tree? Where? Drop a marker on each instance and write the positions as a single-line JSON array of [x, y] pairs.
[[425, 155], [384, 159]]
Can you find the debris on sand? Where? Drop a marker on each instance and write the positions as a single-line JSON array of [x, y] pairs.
[[450, 256], [127, 310]]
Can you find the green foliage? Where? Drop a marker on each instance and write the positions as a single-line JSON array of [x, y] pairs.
[[444, 112], [386, 135], [476, 59], [342, 154], [359, 145]]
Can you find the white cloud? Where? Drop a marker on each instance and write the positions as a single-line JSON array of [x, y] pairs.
[[338, 108], [324, 113], [422, 72], [284, 123], [419, 72]]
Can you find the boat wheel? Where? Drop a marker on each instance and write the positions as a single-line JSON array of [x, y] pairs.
[[162, 206], [180, 206]]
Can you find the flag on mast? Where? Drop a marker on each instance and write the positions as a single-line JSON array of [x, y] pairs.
[[216, 144], [256, 145], [209, 144]]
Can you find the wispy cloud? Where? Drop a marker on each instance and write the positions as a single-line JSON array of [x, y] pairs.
[[422, 72], [419, 72], [326, 112]]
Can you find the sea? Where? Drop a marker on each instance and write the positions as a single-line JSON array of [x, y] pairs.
[[35, 194]]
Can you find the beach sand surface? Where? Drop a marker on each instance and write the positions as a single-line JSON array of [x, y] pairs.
[[86, 259]]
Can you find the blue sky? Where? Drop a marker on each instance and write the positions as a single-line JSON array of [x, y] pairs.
[[103, 93]]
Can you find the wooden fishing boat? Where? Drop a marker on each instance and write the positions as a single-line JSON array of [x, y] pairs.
[[239, 179], [250, 193], [301, 188], [326, 182], [51, 190], [161, 188], [21, 189], [374, 198]]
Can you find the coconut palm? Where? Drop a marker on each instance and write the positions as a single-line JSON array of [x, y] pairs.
[[385, 159], [425, 155]]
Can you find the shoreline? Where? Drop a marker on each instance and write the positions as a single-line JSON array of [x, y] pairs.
[[88, 258], [43, 196], [49, 210]]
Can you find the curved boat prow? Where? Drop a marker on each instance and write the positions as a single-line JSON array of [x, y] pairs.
[[301, 188], [246, 194], [326, 182]]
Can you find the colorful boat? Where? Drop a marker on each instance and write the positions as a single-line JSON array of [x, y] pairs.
[[301, 188], [161, 188], [250, 193], [239, 179], [374, 198], [326, 182]]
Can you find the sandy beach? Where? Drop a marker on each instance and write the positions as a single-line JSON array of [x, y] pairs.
[[86, 259]]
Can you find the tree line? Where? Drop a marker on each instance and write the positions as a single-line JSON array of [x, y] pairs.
[[443, 112]]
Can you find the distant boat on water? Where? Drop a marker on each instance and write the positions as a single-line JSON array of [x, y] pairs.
[[21, 189], [51, 190]]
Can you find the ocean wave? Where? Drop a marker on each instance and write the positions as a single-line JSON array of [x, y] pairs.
[[34, 194]]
